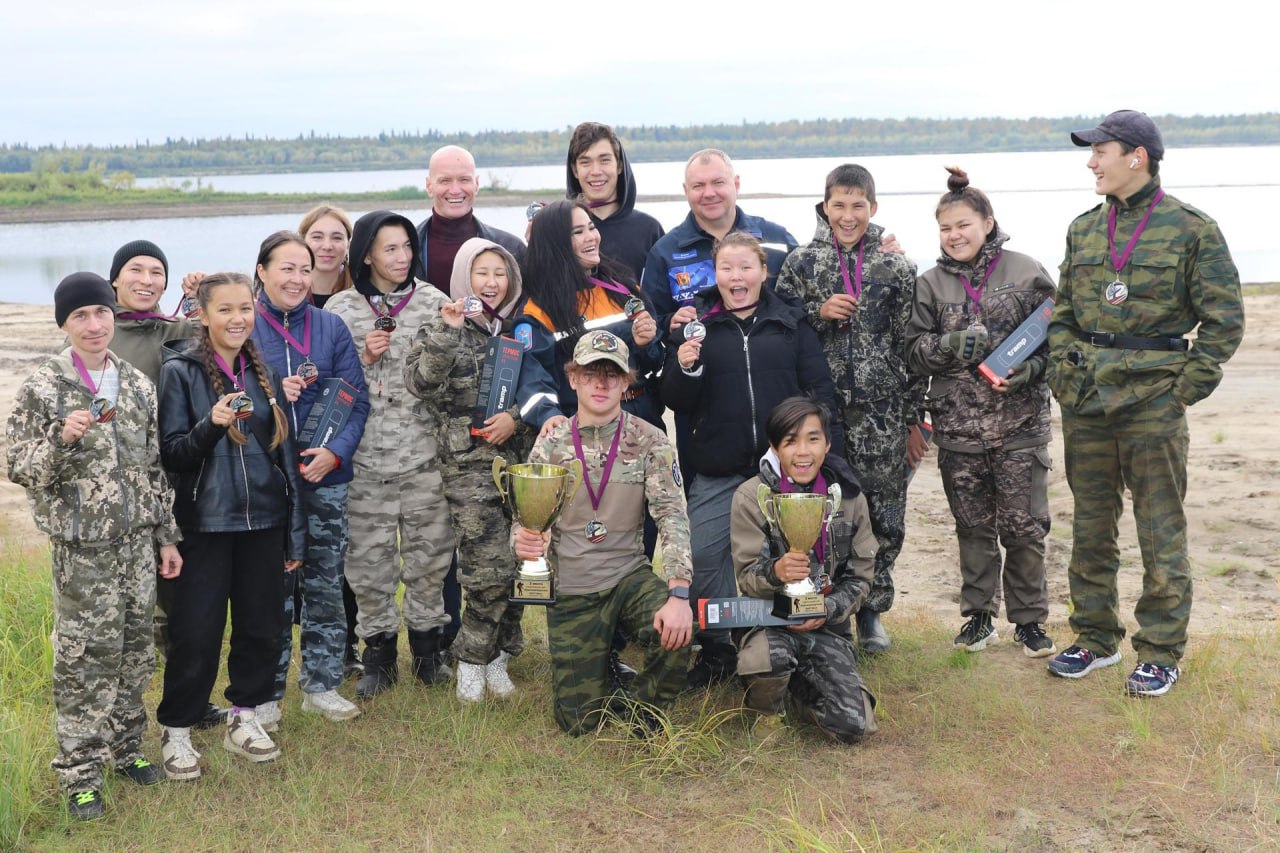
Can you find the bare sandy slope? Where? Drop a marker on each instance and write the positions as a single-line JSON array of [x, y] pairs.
[[1233, 503]]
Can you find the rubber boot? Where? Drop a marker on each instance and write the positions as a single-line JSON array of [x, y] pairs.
[[872, 637], [426, 667], [380, 670]]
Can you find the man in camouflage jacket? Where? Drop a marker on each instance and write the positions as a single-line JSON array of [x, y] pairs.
[[1124, 375]]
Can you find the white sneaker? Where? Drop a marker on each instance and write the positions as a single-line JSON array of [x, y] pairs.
[[496, 677], [269, 715], [178, 757], [471, 677], [330, 705], [246, 737]]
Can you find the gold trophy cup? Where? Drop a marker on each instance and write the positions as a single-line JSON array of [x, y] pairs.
[[536, 493], [800, 518]]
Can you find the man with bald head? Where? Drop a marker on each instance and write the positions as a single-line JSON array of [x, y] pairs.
[[452, 185]]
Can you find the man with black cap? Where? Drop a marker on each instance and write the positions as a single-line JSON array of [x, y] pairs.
[[1141, 271], [139, 275], [84, 443]]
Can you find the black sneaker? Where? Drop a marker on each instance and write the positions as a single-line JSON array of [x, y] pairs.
[[213, 717], [1035, 642], [976, 633], [710, 670], [85, 805], [141, 772], [620, 675]]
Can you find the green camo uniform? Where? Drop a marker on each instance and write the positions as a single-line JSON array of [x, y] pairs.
[[879, 397], [107, 507], [992, 445], [609, 585], [817, 668], [1124, 410]]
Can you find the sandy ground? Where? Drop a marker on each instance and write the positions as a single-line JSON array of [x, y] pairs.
[[1233, 502]]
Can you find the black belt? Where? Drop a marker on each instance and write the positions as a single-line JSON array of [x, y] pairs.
[[1111, 339]]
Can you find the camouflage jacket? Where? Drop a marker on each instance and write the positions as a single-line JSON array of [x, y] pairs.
[[645, 469], [968, 414], [443, 369], [107, 485], [400, 434], [1180, 277], [851, 546]]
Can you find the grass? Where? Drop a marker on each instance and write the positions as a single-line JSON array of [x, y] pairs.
[[974, 752]]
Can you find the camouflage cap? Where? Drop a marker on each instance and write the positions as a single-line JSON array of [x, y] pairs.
[[1128, 126], [602, 346]]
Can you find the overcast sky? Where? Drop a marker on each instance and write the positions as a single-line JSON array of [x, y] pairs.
[[94, 72]]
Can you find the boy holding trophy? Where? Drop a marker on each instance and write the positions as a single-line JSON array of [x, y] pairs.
[[811, 659]]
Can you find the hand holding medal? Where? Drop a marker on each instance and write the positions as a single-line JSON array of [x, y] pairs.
[[76, 425], [691, 350], [643, 327]]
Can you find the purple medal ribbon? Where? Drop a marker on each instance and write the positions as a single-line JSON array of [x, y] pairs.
[[83, 370], [595, 496], [304, 348], [146, 315], [399, 305], [975, 293], [819, 488], [719, 308], [594, 204], [1121, 260], [610, 285], [226, 368], [853, 288]]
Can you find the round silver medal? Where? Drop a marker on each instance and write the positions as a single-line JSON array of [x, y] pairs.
[[241, 406], [472, 306], [189, 306], [308, 372], [633, 307], [385, 323], [596, 531], [695, 331], [102, 410], [1117, 292]]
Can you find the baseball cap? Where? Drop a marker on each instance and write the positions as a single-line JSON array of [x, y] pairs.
[[1131, 127], [601, 346]]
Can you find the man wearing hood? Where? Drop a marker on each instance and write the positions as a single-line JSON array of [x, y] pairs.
[[452, 185], [598, 172], [399, 519], [857, 296]]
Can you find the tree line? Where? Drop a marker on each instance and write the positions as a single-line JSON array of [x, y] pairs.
[[312, 152]]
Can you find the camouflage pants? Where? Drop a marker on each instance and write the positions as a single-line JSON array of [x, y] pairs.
[[400, 532], [102, 655], [323, 626], [1147, 452], [819, 671], [491, 623], [875, 444], [580, 630], [1000, 497]]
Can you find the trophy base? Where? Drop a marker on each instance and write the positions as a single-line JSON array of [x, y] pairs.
[[533, 588], [811, 605]]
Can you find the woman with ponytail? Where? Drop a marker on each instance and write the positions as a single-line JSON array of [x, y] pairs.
[[225, 443]]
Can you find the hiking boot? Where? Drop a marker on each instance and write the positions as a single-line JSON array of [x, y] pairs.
[[1035, 642], [496, 677], [716, 664], [380, 670], [471, 680], [976, 633], [425, 645], [180, 760], [330, 705], [768, 726], [620, 675], [213, 717], [351, 665], [1077, 662], [1150, 679], [872, 637], [85, 805], [141, 772], [269, 715], [246, 737]]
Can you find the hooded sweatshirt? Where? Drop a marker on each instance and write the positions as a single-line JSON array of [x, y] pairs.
[[628, 234]]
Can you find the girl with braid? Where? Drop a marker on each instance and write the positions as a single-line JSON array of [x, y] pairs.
[[225, 443]]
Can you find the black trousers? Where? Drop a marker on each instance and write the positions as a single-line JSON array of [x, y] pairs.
[[244, 569]]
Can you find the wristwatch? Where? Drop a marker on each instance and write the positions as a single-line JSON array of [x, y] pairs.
[[680, 592]]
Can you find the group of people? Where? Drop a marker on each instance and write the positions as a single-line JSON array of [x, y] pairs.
[[823, 369]]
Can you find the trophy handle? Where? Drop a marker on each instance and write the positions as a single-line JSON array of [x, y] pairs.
[[575, 480], [836, 497], [500, 477], [764, 497]]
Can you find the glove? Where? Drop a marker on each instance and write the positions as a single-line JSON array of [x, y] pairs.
[[968, 346], [1021, 376]]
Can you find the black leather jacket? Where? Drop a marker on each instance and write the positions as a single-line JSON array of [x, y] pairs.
[[221, 486]]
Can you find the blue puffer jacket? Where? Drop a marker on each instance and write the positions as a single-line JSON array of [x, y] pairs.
[[334, 352]]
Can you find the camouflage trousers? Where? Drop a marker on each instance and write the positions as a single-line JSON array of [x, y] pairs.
[[1145, 451], [400, 533], [323, 623], [1000, 497], [819, 672], [580, 631], [490, 623], [102, 655], [875, 444]]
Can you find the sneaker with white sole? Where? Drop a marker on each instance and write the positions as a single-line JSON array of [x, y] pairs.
[[330, 705], [1035, 642], [269, 715], [1077, 662], [178, 757], [1150, 679], [496, 677], [976, 633], [246, 737], [471, 677]]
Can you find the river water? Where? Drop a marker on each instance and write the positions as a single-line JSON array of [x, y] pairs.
[[1035, 197]]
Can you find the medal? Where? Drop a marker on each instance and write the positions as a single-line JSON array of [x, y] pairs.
[[633, 307], [385, 323], [472, 307], [1117, 292], [976, 326], [596, 531], [308, 372], [102, 410], [189, 306], [695, 330], [241, 406]]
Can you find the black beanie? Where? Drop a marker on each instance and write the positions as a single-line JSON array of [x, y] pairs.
[[78, 290], [129, 251]]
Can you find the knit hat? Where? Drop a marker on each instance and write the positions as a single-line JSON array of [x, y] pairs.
[[129, 251], [78, 290], [601, 346]]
